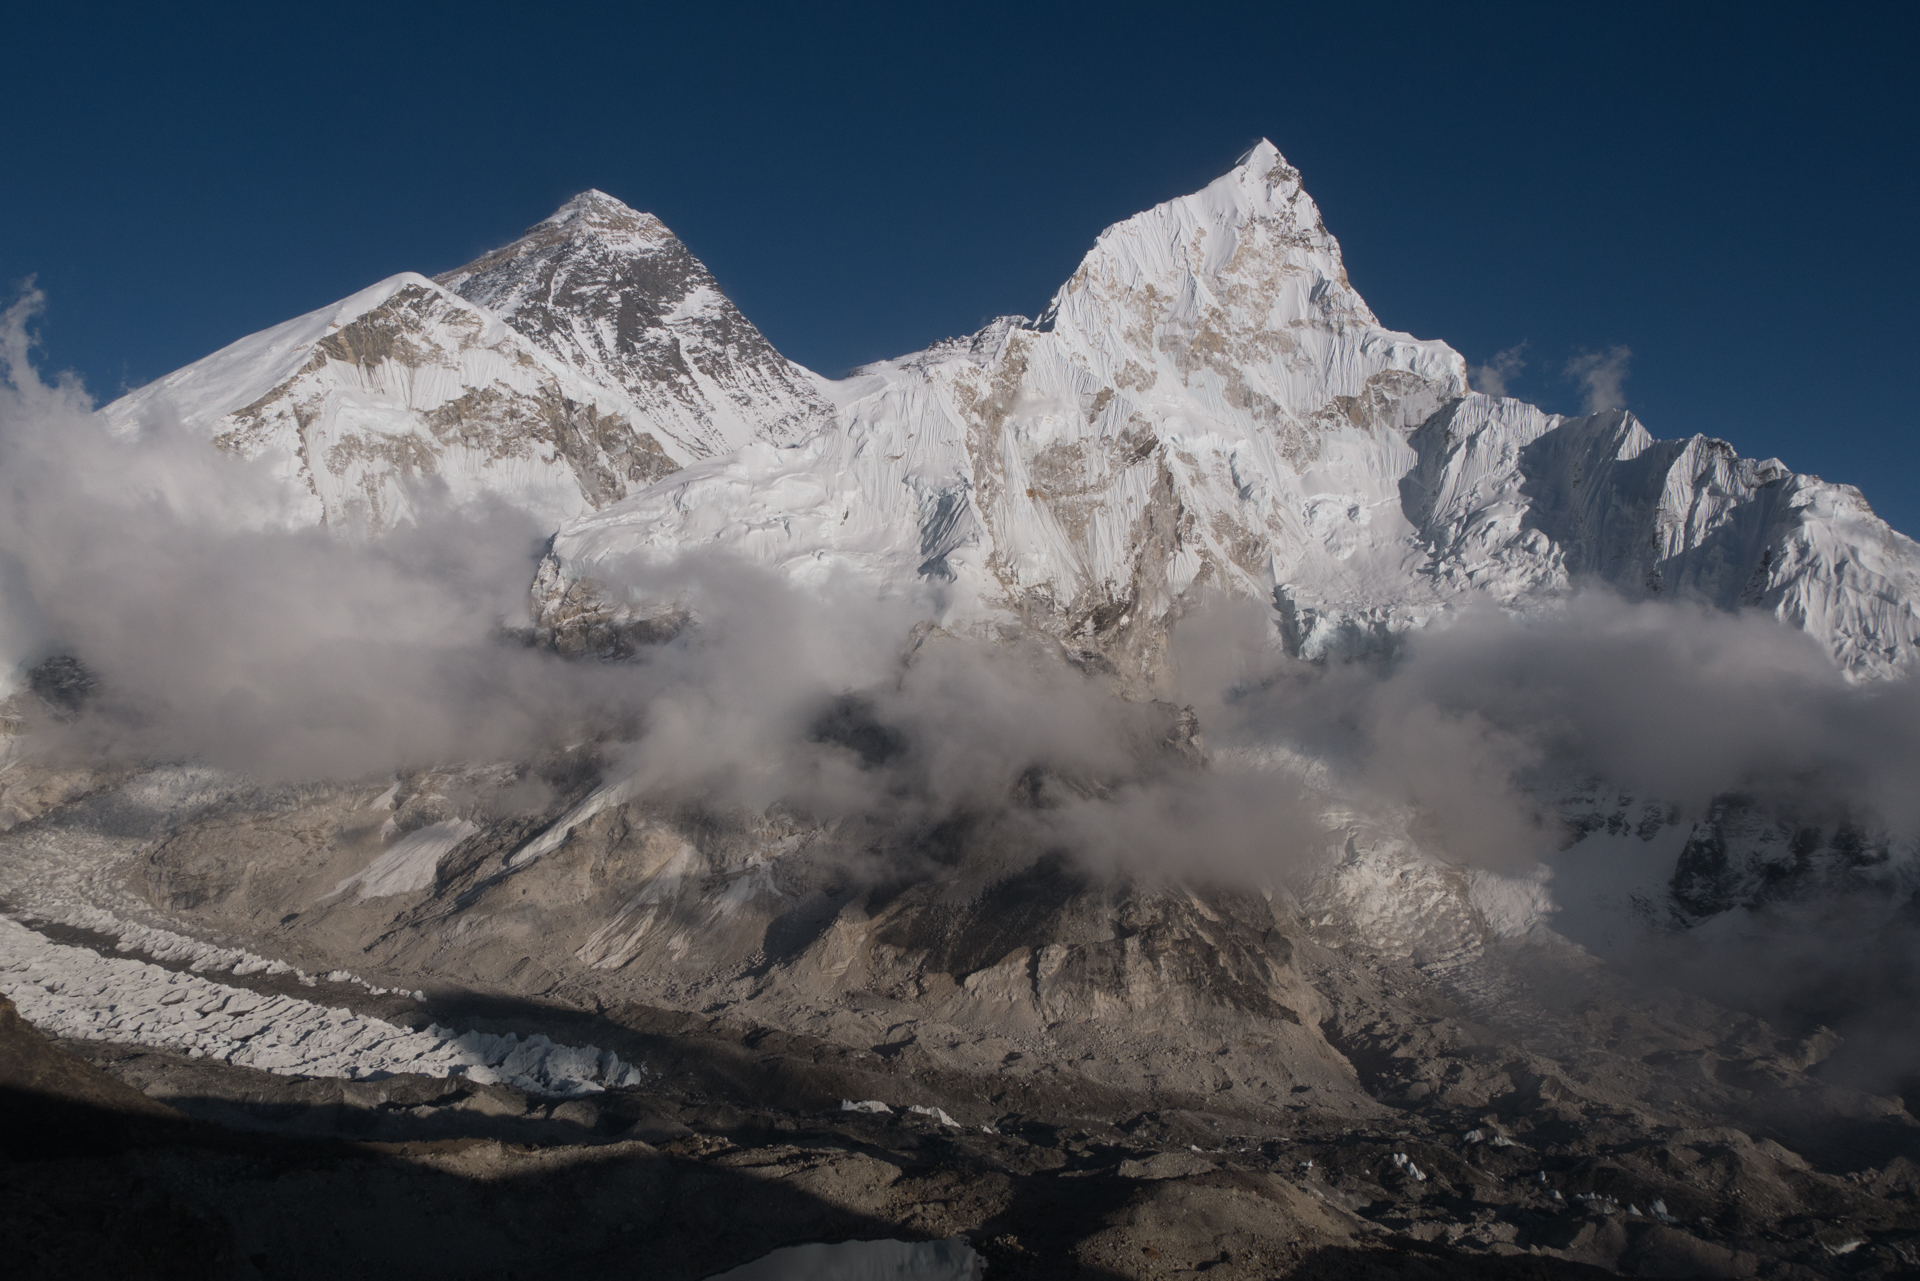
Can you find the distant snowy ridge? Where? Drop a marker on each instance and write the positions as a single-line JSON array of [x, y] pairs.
[[1207, 404], [1516, 502]]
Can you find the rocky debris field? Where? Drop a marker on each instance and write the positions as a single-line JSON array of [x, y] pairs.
[[133, 1161]]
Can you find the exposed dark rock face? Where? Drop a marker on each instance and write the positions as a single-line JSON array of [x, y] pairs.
[[1747, 854], [63, 683]]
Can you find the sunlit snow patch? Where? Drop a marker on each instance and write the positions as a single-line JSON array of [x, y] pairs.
[[410, 864], [604, 797], [1511, 905], [937, 1114]]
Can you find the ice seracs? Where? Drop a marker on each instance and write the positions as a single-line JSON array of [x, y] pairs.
[[72, 991]]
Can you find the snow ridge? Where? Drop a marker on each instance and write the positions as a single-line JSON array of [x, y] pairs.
[[406, 392]]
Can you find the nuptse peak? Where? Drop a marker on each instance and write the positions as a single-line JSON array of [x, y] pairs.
[[1206, 404]]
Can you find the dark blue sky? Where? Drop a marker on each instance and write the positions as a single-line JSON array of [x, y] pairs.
[[1730, 191]]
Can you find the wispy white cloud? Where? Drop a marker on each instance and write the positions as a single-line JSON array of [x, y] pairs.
[[1493, 377], [1602, 376]]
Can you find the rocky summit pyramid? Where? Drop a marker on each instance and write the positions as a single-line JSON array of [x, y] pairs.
[[613, 295], [560, 373]]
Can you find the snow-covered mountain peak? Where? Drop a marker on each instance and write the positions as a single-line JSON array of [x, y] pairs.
[[1225, 273], [594, 210], [615, 295], [1147, 437], [561, 372]]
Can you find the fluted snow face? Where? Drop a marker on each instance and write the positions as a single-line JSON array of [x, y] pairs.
[[612, 294], [1234, 300]]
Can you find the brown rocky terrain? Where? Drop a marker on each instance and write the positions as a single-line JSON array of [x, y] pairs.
[[1124, 1077]]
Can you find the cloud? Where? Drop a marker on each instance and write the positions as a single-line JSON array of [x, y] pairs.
[[216, 630], [1492, 378], [1602, 376], [1479, 724]]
